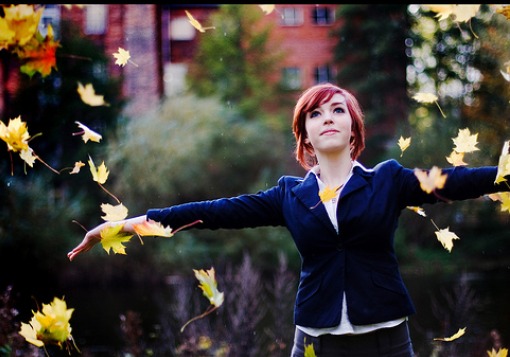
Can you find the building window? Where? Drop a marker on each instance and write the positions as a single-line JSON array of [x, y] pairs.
[[291, 16], [291, 78], [50, 16], [180, 29], [95, 19], [323, 74], [323, 15]]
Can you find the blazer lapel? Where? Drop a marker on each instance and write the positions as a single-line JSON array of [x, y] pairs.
[[308, 193]]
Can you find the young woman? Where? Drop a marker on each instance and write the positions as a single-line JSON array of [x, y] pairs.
[[351, 299]]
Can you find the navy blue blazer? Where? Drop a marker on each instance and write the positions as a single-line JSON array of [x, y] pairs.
[[360, 260]]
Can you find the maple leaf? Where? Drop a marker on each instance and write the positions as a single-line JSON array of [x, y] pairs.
[[443, 11], [504, 10], [50, 326], [88, 95], [28, 156], [428, 98], [503, 163], [430, 180], [209, 288], [114, 213], [457, 335], [122, 57], [465, 142], [23, 19], [445, 237], [456, 158], [15, 134], [100, 174], [77, 166], [112, 238], [267, 9], [464, 12], [309, 350], [505, 202], [328, 193], [153, 228], [197, 24], [417, 210], [39, 55], [6, 34], [403, 143], [502, 352], [88, 134]]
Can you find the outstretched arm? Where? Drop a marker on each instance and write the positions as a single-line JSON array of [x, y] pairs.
[[94, 235]]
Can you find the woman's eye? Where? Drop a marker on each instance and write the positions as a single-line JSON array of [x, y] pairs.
[[339, 110], [314, 114]]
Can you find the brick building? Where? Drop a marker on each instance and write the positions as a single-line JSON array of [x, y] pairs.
[[162, 42]]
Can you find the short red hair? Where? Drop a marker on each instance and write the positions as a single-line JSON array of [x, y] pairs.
[[311, 99]]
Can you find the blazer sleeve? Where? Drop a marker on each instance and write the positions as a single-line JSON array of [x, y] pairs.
[[245, 211]]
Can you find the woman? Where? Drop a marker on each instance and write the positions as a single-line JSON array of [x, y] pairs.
[[351, 299]]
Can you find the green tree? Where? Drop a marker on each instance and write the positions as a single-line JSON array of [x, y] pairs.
[[235, 61], [371, 57]]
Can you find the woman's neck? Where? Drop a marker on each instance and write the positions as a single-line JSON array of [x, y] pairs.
[[335, 172]]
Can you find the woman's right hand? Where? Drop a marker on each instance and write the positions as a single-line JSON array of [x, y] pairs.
[[93, 236]]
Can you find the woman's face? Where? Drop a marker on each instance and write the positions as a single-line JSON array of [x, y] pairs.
[[328, 127]]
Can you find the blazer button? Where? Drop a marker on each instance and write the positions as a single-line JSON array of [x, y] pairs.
[[340, 247]]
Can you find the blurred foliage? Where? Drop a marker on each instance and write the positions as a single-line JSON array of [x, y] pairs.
[[463, 68], [190, 149], [236, 63]]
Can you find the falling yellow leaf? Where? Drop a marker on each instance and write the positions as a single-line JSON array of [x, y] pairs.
[[428, 98], [15, 134], [88, 134], [267, 9], [417, 210], [465, 141], [404, 143], [328, 193], [504, 163], [153, 228], [504, 10], [77, 166], [122, 57], [446, 238], [309, 350], [430, 180], [459, 13], [464, 12], [100, 174], [197, 24], [504, 198], [23, 20], [459, 334], [112, 238], [209, 286], [443, 11], [114, 213], [50, 326], [456, 158], [88, 95], [28, 156], [502, 352]]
